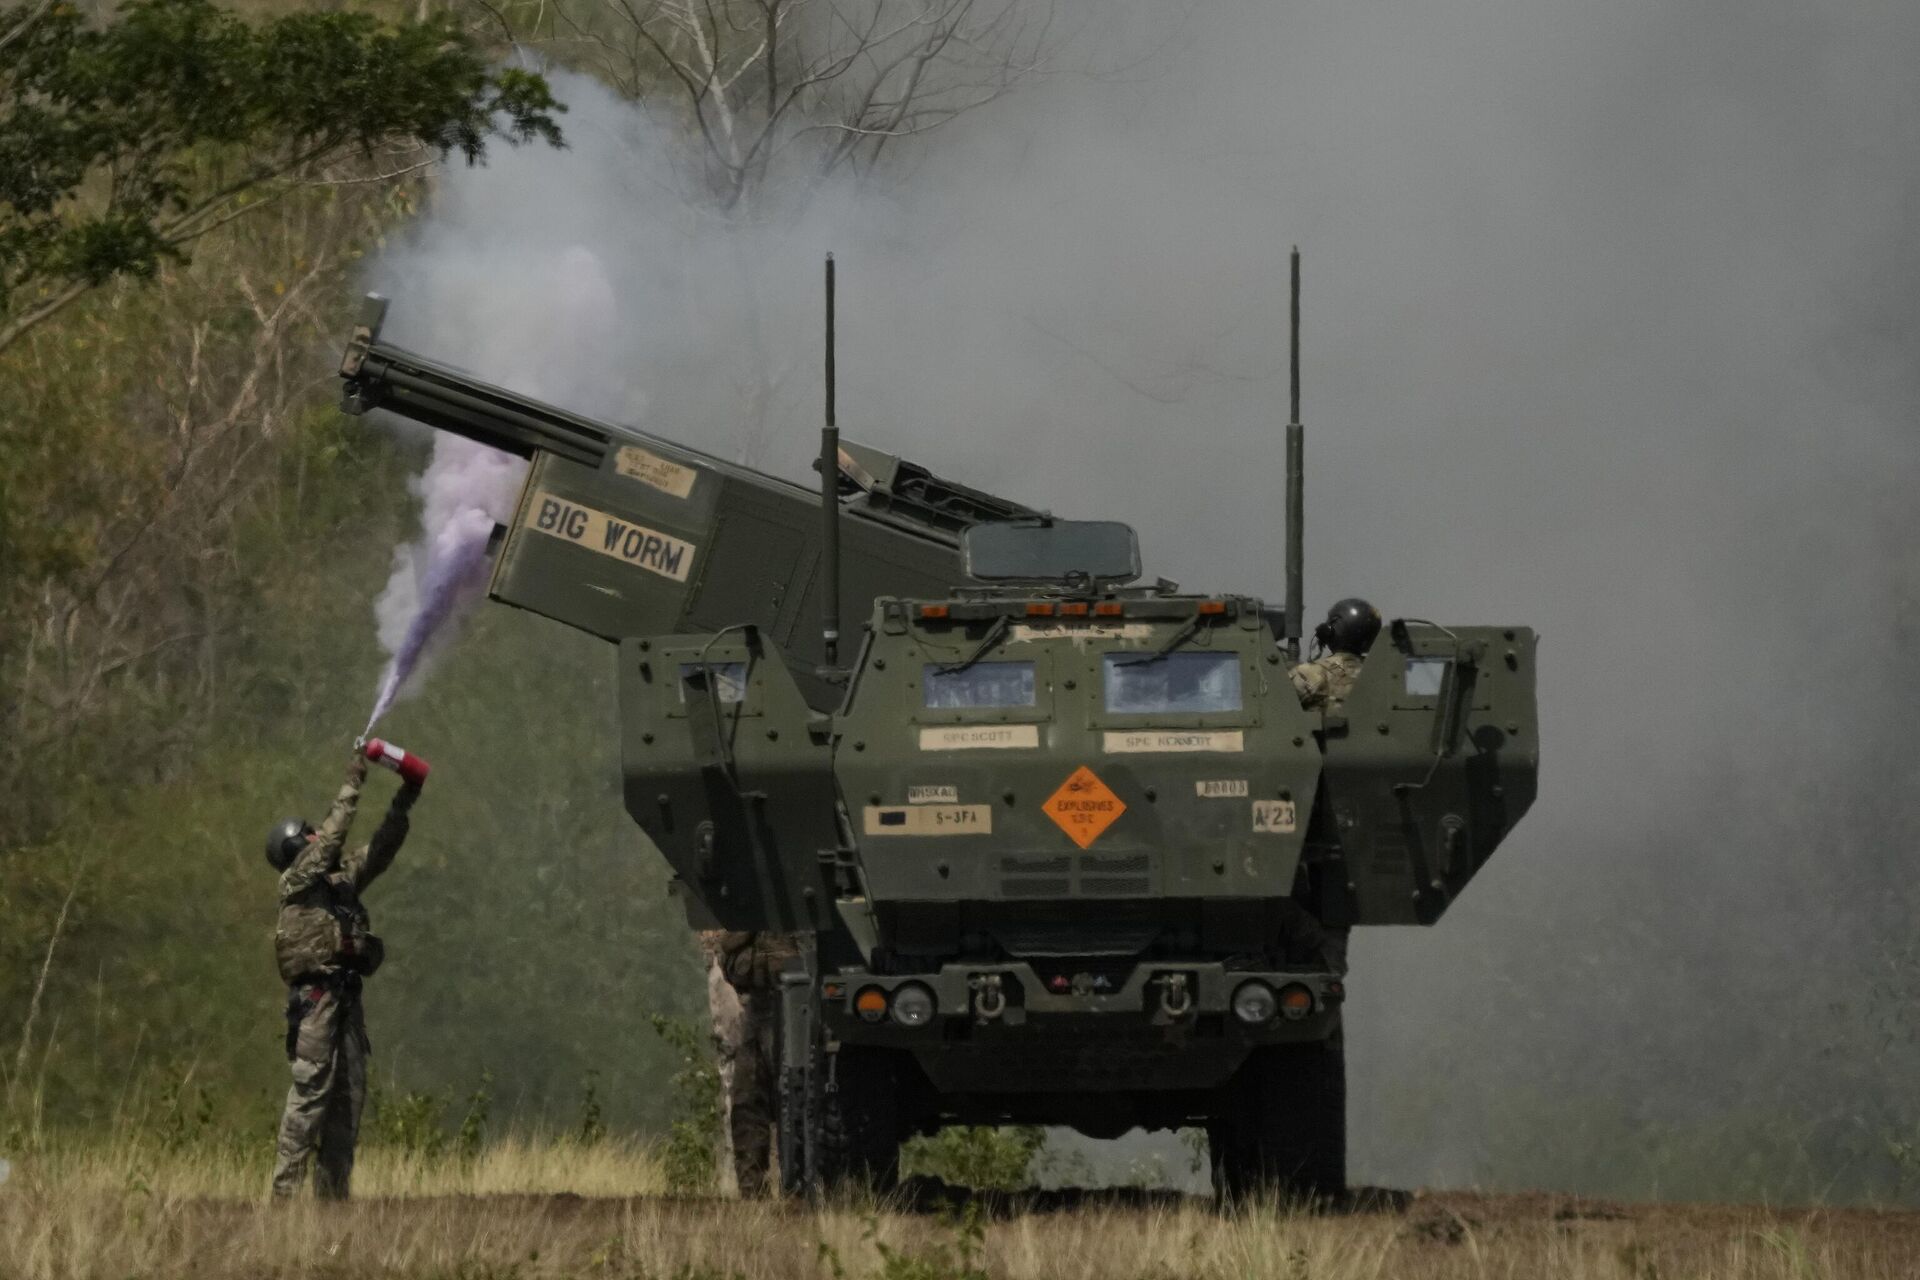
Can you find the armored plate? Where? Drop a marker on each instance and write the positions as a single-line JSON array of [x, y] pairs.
[[1430, 762], [1072, 763], [724, 777]]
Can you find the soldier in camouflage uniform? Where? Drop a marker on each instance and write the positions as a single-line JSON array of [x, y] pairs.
[[743, 997], [1346, 636], [325, 947]]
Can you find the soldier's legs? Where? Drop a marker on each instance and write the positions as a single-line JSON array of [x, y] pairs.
[[724, 1015], [313, 1065], [340, 1128], [753, 1107]]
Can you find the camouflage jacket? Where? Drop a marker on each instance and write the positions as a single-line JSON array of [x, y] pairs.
[[323, 927], [1328, 678], [750, 961]]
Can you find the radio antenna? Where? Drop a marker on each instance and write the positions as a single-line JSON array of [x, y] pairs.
[[830, 503], [1296, 475]]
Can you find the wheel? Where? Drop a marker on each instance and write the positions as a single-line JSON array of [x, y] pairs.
[[862, 1124], [1283, 1124]]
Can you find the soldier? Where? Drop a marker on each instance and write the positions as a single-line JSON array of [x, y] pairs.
[[743, 997], [1346, 636], [325, 948]]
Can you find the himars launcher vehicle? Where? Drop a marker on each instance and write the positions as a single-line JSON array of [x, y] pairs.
[[1068, 848]]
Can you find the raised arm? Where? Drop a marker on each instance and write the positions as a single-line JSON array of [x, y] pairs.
[[366, 863], [322, 853]]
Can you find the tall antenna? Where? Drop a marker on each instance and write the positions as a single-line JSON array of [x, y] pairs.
[[1296, 475], [830, 503]]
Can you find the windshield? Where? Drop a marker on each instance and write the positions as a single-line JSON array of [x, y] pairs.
[[984, 684], [1176, 682]]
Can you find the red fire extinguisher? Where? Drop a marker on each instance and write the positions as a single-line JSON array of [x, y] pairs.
[[409, 766]]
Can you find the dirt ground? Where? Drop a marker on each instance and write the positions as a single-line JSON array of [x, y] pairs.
[[1382, 1236]]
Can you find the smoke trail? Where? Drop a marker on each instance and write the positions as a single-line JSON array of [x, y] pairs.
[[468, 488]]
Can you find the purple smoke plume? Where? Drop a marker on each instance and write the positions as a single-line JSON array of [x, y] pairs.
[[466, 489], [535, 321]]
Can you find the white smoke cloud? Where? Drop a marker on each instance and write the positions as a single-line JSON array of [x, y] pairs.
[[1610, 322]]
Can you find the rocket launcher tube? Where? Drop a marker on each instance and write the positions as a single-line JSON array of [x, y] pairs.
[[409, 766], [379, 375]]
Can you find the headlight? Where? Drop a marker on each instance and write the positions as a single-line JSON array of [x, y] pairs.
[[913, 1005], [1253, 1003]]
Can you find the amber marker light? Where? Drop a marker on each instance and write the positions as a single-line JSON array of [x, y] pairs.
[[1211, 608], [1074, 610], [933, 611], [1108, 609], [870, 1004], [1039, 609], [1296, 1002]]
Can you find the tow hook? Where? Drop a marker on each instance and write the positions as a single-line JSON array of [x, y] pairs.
[[989, 1001], [1176, 999]]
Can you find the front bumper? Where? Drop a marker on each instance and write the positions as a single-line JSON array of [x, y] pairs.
[[1007, 1029]]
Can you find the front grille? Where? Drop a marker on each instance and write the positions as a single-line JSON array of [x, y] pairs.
[[1029, 866], [1108, 886], [1037, 887], [1135, 864], [1041, 876]]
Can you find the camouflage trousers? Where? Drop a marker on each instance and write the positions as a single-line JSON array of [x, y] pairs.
[[327, 1048], [744, 1020]]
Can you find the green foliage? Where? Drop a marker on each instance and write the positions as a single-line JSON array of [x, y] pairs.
[[121, 142], [694, 1135], [956, 1257], [408, 1122], [593, 1125], [186, 1116], [473, 1125], [979, 1156]]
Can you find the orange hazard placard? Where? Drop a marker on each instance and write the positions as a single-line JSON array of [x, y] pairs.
[[1084, 807]]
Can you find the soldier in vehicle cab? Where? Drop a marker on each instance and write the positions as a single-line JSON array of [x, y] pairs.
[[1345, 637]]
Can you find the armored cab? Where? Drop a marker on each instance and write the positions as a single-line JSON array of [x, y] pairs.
[[1073, 853]]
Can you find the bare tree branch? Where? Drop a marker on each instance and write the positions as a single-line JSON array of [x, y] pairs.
[[39, 989], [25, 24]]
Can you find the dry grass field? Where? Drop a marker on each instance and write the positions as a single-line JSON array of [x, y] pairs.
[[528, 1210]]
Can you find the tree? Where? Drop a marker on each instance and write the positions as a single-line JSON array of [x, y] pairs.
[[760, 102], [802, 87], [123, 142]]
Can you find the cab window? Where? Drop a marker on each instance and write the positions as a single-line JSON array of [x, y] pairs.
[[1176, 682], [729, 679], [984, 684], [1425, 677]]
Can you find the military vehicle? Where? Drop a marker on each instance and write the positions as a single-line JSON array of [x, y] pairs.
[[1067, 848]]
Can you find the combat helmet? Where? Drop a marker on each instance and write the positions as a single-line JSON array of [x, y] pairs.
[[1350, 627], [285, 842]]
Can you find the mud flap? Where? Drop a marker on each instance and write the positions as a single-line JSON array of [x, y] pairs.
[[801, 1058]]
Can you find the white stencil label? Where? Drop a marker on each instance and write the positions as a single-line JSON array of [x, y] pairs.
[[968, 737], [636, 463], [1171, 741], [928, 820], [1273, 817]]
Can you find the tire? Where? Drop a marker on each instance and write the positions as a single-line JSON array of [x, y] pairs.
[[1283, 1126], [861, 1121]]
